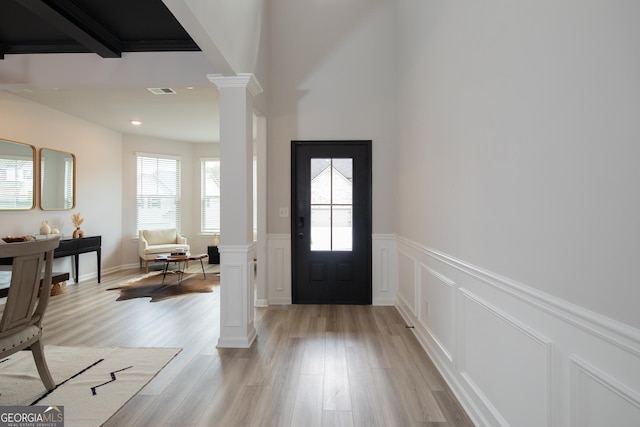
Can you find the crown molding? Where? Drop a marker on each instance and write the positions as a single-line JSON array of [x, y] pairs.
[[244, 80]]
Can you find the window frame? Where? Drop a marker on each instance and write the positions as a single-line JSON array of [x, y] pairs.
[[148, 199], [205, 201]]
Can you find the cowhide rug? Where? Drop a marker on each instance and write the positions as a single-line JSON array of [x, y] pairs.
[[151, 286]]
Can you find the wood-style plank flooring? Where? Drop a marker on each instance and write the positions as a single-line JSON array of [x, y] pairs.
[[312, 365]]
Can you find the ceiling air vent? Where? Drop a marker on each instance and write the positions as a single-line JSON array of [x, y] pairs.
[[161, 90]]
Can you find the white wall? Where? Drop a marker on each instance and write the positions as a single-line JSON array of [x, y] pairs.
[[522, 127], [319, 52], [518, 208], [236, 27], [231, 34], [330, 77], [99, 172]]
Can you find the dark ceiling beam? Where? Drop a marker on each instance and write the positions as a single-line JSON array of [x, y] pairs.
[[160, 46], [74, 22], [43, 47]]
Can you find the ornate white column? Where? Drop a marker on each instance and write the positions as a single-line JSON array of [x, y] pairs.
[[236, 208]]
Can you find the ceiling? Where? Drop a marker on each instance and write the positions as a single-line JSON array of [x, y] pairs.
[[96, 60]]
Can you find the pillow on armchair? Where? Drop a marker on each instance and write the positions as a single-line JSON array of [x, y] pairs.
[[152, 243]]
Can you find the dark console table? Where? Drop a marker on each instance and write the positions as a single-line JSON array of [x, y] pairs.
[[75, 247], [4, 284]]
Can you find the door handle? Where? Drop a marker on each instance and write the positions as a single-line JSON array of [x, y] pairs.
[[301, 222], [300, 235]]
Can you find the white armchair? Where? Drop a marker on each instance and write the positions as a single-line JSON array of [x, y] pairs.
[[152, 243]]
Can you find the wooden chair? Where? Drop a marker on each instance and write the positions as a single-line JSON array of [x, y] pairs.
[[21, 324]]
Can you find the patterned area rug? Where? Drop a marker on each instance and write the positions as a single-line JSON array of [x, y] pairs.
[[151, 286], [92, 383]]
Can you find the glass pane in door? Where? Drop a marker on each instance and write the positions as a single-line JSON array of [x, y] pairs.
[[341, 230], [320, 181], [320, 228], [331, 204]]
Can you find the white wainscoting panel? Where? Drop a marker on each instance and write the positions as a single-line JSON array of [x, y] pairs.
[[407, 282], [513, 355], [599, 399], [500, 354], [234, 274], [437, 309], [384, 273], [279, 269]]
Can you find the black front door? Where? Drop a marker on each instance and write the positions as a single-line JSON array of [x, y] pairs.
[[331, 222]]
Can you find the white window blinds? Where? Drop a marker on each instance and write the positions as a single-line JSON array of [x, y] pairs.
[[210, 196], [158, 192], [16, 183], [68, 183]]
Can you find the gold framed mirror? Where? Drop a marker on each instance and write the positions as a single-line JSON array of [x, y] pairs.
[[57, 180], [17, 183]]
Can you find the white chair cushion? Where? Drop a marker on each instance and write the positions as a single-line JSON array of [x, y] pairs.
[[152, 251], [161, 237]]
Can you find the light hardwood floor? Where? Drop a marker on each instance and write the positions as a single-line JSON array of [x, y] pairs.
[[312, 365]]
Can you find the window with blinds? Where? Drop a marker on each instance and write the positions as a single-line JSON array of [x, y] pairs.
[[16, 183], [210, 196], [68, 183], [158, 192]]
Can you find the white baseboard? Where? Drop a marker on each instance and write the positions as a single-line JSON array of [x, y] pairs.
[[280, 301]]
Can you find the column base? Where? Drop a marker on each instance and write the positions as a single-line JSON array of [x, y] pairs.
[[236, 297], [237, 342]]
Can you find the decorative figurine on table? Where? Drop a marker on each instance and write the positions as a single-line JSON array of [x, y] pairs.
[[77, 221], [44, 228]]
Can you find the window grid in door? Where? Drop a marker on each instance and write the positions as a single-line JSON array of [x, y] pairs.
[[331, 204]]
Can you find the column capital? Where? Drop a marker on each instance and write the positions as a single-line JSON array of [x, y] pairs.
[[245, 80]]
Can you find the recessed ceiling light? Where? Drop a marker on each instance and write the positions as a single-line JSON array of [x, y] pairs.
[[135, 122], [190, 88]]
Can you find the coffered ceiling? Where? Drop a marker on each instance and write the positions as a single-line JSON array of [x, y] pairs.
[[96, 59], [106, 28]]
